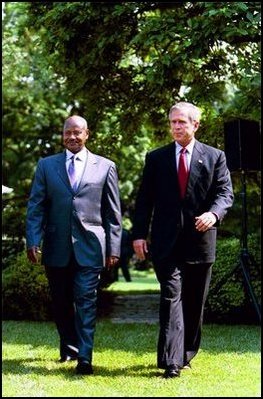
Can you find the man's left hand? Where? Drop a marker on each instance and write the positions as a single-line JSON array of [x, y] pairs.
[[205, 221], [111, 262]]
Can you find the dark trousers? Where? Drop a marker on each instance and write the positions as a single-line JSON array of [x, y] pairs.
[[124, 267], [184, 289], [74, 300]]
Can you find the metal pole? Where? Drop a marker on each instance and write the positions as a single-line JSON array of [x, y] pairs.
[[245, 258]]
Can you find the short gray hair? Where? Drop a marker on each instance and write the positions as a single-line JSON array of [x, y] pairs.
[[194, 113]]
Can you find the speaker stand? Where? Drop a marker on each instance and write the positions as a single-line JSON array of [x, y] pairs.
[[245, 260]]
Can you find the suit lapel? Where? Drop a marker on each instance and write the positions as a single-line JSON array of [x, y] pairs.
[[170, 159], [196, 165], [89, 170], [61, 169]]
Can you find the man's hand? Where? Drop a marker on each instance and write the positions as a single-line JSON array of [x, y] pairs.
[[111, 262], [140, 249], [205, 221], [33, 254]]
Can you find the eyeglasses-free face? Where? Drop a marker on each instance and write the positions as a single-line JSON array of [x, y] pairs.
[[74, 139]]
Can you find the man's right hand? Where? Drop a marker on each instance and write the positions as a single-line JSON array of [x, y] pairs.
[[33, 254], [140, 248]]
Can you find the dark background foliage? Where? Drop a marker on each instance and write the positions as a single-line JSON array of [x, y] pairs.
[[122, 65]]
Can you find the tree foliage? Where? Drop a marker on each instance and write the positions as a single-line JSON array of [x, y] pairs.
[[122, 65], [134, 59]]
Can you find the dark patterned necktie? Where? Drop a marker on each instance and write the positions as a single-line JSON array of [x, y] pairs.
[[72, 174], [182, 172]]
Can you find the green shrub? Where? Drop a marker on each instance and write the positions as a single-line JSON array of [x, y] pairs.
[[25, 292], [229, 298]]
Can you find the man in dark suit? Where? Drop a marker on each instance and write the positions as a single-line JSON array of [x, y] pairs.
[[184, 217], [126, 255], [74, 207]]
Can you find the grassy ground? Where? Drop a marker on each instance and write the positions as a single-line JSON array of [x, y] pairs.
[[142, 282], [227, 365]]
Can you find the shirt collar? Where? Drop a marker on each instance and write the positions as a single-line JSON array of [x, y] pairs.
[[189, 147], [81, 155]]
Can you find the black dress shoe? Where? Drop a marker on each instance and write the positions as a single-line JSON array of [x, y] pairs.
[[68, 352], [172, 372], [67, 358], [84, 368]]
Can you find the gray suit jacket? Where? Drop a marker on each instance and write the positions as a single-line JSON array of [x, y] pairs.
[[87, 222], [173, 220]]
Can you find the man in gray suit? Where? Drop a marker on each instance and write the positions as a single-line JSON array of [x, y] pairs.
[[185, 192], [74, 212]]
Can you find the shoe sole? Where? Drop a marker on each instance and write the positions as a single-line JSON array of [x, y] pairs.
[[186, 367]]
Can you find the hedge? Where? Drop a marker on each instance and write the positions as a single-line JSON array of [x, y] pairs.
[[26, 295]]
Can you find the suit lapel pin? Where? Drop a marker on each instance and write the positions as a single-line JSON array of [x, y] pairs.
[[200, 161]]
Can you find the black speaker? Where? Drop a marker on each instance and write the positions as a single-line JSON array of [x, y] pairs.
[[242, 144]]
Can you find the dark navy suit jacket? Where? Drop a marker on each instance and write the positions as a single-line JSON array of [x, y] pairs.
[[171, 220]]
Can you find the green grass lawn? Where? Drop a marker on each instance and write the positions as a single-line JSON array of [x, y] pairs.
[[142, 282], [228, 364]]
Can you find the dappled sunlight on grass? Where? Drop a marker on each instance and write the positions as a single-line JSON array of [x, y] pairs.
[[228, 363], [142, 281]]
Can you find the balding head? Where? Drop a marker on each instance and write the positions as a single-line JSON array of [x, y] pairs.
[[75, 121]]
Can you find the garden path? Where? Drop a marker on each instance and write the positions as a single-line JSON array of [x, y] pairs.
[[135, 308]]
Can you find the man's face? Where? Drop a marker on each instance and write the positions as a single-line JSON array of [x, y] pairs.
[[74, 136], [182, 129]]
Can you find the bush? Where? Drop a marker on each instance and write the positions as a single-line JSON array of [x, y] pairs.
[[229, 298], [25, 291], [13, 232]]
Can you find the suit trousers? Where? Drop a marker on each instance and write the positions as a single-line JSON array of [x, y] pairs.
[[183, 292], [74, 300]]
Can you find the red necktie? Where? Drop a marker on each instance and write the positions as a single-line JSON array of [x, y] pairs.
[[182, 172]]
